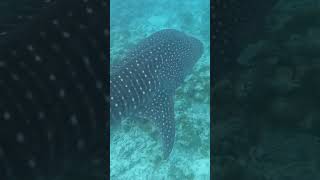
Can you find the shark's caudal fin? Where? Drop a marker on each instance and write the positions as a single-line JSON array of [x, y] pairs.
[[161, 111]]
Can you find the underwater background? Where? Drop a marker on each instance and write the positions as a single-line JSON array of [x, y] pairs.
[[266, 106], [135, 151]]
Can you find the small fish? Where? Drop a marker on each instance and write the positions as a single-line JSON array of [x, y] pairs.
[[53, 67], [144, 82]]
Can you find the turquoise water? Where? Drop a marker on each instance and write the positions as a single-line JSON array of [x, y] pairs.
[[135, 151]]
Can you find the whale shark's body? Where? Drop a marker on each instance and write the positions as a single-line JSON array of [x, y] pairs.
[[144, 82], [52, 96]]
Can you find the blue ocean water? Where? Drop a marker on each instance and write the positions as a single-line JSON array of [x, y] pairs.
[[135, 150]]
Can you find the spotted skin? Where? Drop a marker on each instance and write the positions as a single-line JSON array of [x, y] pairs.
[[144, 82], [52, 99]]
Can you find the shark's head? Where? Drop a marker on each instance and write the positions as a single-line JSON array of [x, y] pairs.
[[177, 52], [195, 52]]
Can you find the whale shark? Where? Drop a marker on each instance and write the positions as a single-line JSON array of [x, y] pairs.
[[53, 59], [143, 83]]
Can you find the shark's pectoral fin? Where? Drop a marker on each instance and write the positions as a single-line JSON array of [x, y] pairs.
[[161, 111]]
